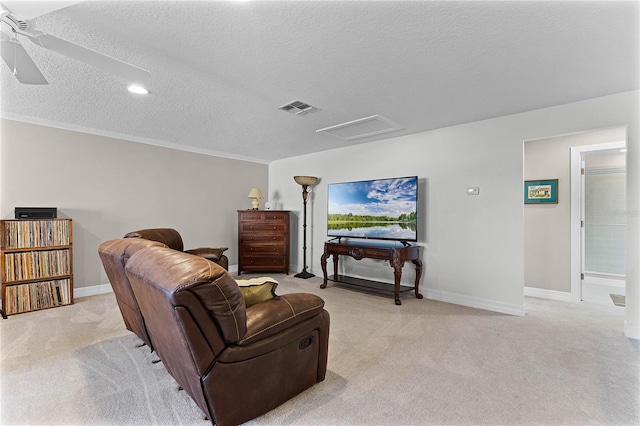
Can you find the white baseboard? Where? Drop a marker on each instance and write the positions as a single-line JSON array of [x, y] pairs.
[[609, 281], [475, 302], [106, 288], [92, 290], [541, 293], [443, 296], [632, 331]]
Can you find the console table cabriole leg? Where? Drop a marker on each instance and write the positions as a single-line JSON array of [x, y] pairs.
[[397, 274], [323, 264], [418, 264], [335, 267]]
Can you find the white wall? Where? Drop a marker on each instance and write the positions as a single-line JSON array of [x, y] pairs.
[[547, 227], [473, 245], [110, 187]]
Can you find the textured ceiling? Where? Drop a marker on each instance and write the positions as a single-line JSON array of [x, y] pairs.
[[220, 70]]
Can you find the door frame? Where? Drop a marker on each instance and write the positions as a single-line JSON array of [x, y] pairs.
[[577, 201]]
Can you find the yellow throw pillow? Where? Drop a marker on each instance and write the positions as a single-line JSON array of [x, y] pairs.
[[256, 290]]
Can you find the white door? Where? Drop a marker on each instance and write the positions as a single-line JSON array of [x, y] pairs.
[[586, 283], [582, 224]]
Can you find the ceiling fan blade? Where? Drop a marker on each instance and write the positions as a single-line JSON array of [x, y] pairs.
[[122, 69], [20, 63], [33, 9]]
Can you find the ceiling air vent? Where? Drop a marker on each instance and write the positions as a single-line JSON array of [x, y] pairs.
[[297, 108], [361, 128]]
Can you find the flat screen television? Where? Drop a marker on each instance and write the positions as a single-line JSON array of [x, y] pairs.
[[381, 209]]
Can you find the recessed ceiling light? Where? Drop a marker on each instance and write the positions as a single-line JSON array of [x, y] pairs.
[[137, 89]]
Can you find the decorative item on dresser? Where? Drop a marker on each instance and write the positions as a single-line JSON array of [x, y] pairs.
[[36, 263], [306, 182], [256, 195], [263, 240]]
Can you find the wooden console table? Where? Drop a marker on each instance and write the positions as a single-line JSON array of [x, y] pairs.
[[395, 255]]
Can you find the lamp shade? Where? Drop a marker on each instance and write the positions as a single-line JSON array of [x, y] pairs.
[[255, 193], [305, 180]]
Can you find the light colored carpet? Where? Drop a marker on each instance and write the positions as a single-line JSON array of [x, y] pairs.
[[424, 362]]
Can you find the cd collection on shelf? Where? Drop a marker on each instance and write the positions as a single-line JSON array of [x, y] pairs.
[[36, 260], [39, 295], [36, 233], [36, 264]]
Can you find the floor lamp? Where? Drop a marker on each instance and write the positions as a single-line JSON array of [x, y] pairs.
[[306, 182]]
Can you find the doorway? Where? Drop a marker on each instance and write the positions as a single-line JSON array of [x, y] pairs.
[[598, 175]]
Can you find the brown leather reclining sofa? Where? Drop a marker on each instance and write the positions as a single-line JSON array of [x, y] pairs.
[[235, 362], [172, 239], [114, 255], [114, 266]]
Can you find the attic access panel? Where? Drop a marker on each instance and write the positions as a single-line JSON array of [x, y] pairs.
[[361, 128]]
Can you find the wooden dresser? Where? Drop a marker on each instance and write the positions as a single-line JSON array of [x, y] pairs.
[[263, 240]]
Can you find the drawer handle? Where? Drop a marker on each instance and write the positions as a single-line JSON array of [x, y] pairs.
[[251, 227], [357, 253], [275, 227]]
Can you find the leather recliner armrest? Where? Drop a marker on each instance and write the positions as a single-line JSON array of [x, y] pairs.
[[272, 316], [211, 253]]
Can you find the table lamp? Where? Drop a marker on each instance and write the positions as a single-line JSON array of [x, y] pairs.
[[256, 195]]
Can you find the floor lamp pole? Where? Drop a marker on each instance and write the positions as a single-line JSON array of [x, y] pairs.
[[304, 274]]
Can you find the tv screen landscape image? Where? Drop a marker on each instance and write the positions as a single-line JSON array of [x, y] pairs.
[[383, 209]]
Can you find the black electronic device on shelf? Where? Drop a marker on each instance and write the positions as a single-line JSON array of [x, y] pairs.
[[36, 212]]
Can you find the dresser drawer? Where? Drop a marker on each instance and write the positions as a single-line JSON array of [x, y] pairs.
[[263, 227], [249, 216], [275, 249], [276, 217], [263, 261], [257, 238]]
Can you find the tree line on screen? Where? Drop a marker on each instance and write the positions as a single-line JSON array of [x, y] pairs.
[[350, 218], [350, 226]]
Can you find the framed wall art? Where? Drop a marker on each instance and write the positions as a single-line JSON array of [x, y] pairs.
[[541, 191]]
